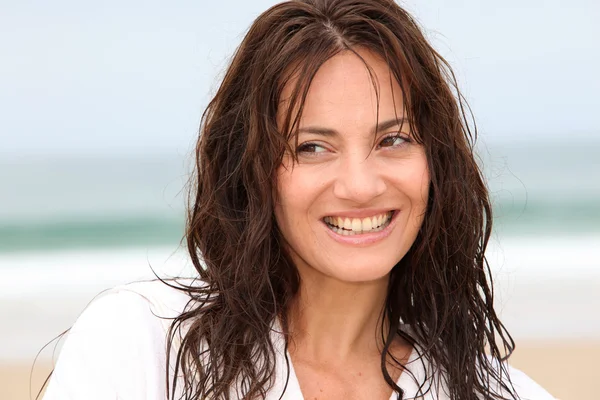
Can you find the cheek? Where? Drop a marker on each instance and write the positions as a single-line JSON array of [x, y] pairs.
[[416, 184], [299, 189], [421, 179], [289, 199], [291, 215], [414, 181], [281, 207]]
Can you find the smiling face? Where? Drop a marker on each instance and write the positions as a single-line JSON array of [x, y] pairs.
[[351, 207]]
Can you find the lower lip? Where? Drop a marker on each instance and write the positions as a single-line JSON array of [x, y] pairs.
[[364, 239]]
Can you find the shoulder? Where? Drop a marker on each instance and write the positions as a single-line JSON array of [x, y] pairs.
[[527, 388], [164, 299], [118, 344], [146, 308]]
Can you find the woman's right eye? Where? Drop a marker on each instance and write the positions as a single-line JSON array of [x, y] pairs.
[[310, 148]]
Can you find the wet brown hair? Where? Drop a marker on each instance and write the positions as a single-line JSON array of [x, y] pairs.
[[441, 288]]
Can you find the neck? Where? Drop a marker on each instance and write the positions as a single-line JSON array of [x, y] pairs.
[[333, 321]]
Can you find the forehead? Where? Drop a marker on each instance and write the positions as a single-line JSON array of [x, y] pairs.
[[350, 92]]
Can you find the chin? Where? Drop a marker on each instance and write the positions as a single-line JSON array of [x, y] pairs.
[[356, 272]]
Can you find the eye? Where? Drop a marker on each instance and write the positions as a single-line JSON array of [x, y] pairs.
[[394, 140], [310, 148]]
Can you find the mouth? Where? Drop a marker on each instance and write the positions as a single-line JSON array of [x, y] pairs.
[[347, 226]]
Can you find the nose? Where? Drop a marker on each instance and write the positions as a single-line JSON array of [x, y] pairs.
[[359, 180]]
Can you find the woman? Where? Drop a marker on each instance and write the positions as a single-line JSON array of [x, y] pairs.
[[338, 229]]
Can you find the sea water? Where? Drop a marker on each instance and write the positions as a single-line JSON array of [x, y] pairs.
[[73, 226]]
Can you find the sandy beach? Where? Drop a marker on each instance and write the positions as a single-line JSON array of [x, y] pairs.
[[567, 369]]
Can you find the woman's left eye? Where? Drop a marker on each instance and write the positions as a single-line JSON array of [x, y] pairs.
[[393, 141]]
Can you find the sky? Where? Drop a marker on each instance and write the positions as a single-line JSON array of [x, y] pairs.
[[132, 77]]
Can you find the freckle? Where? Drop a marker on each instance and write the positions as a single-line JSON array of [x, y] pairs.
[[321, 390], [360, 374]]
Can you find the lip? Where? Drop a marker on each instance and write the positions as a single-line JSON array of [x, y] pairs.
[[363, 239]]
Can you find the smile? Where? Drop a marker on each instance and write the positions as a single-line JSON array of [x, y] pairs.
[[356, 226]]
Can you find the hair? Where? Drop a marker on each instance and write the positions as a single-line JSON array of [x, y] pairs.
[[441, 288]]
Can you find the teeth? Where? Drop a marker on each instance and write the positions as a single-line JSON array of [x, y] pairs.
[[352, 226], [347, 224], [366, 224]]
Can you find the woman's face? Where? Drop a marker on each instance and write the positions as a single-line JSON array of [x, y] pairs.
[[352, 206]]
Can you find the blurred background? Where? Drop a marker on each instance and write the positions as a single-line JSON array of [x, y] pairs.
[[99, 109]]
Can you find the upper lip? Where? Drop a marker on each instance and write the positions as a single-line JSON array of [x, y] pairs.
[[362, 213]]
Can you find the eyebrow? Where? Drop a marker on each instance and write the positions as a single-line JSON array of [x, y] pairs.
[[381, 126]]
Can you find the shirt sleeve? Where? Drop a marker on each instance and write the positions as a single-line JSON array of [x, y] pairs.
[[115, 350], [526, 387]]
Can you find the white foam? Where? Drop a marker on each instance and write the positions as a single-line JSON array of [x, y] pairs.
[[54, 273]]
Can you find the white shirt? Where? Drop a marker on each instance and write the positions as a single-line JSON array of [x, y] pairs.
[[117, 350]]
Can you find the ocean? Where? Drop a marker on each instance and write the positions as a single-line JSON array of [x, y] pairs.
[[73, 226]]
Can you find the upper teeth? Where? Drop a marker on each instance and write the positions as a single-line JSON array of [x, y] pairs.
[[359, 224]]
